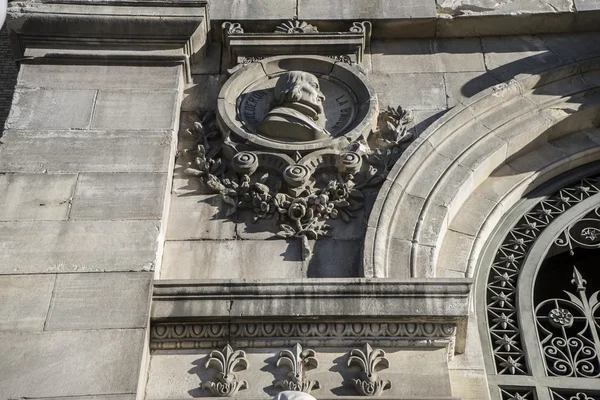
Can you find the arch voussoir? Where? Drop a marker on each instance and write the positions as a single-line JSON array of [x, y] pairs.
[[436, 196]]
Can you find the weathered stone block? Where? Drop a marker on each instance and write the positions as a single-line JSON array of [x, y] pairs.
[[576, 46], [419, 91], [454, 253], [36, 196], [426, 55], [77, 246], [70, 363], [472, 215], [92, 151], [587, 5], [209, 63], [119, 196], [100, 301], [98, 76], [506, 57], [374, 9], [462, 85], [199, 217], [469, 384], [133, 109], [232, 10], [232, 259], [202, 93], [334, 259], [51, 109], [398, 263], [24, 301]]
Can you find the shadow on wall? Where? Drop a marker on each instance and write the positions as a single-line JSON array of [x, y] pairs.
[[8, 77]]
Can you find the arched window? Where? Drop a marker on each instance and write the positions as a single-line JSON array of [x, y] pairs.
[[539, 294]]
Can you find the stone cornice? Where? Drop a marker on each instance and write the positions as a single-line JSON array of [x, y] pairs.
[[434, 301], [119, 31]]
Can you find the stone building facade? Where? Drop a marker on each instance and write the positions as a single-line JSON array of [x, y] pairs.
[[395, 199]]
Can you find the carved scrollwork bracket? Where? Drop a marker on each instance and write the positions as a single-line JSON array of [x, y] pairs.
[[227, 362], [298, 361], [296, 37], [370, 361]]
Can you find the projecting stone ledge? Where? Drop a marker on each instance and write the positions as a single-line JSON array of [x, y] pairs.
[[420, 301], [417, 18]]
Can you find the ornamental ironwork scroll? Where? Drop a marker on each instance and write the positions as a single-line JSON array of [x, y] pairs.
[[574, 395], [503, 322], [569, 332]]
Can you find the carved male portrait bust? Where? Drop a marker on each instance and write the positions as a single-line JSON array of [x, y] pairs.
[[297, 112]]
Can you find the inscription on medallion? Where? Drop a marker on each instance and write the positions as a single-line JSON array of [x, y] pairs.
[[339, 106]]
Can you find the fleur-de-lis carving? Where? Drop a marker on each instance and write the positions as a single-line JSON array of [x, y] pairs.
[[227, 362], [298, 361], [370, 362]]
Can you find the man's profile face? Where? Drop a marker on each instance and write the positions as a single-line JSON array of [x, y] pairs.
[[311, 93]]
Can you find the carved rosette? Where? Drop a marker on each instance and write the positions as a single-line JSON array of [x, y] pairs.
[[298, 361], [370, 361], [296, 26], [227, 362]]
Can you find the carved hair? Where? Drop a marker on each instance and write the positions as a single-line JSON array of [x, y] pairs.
[[288, 87]]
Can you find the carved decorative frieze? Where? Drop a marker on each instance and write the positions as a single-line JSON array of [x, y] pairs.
[[370, 361], [298, 361], [227, 362], [296, 38], [190, 335]]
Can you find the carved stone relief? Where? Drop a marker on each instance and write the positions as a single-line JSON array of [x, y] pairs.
[[296, 37], [370, 361], [298, 145], [227, 362]]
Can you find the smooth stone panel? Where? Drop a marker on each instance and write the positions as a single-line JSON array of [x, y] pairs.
[[199, 217], [51, 109], [202, 93], [24, 301], [495, 7], [100, 301], [70, 363], [133, 109], [507, 57], [232, 259], [462, 85], [98, 76], [412, 91], [36, 196], [587, 5], [426, 55], [91, 151], [334, 259], [576, 46], [119, 196], [77, 246], [232, 10], [372, 9], [102, 397]]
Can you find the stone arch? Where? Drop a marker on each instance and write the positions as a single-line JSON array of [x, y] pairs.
[[451, 186]]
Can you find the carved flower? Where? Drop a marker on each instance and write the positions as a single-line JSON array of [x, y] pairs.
[[325, 208], [337, 190], [559, 317], [262, 203], [298, 209]]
